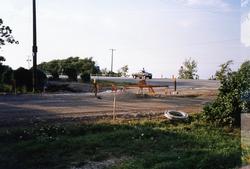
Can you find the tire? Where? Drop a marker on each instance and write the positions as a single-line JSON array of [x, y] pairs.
[[176, 115]]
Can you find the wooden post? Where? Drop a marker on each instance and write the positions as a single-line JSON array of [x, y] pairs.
[[114, 107], [95, 86], [175, 85]]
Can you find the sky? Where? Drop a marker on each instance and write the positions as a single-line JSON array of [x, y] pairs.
[[157, 35]]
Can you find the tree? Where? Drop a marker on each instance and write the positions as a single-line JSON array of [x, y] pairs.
[[224, 70], [5, 37], [2, 59], [3, 70], [104, 71], [23, 79], [53, 67], [6, 73], [72, 67], [85, 77], [7, 76], [123, 71], [229, 104], [188, 70], [6, 34]]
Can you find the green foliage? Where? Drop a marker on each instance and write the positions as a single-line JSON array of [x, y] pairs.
[[7, 76], [41, 79], [72, 67], [85, 77], [188, 70], [2, 59], [224, 70], [104, 72], [54, 68], [5, 88], [146, 145], [6, 35], [114, 74], [23, 79], [228, 106], [3, 70], [123, 71]]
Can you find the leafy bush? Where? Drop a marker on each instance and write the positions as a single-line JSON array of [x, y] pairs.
[[72, 67], [23, 79], [85, 77], [5, 88], [7, 76], [229, 105], [41, 79]]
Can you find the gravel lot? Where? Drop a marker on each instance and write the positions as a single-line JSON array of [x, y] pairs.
[[16, 109]]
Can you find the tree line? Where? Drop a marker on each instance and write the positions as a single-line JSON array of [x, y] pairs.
[[71, 67], [21, 78]]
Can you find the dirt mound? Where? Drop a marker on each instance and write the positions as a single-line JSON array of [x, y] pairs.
[[74, 87]]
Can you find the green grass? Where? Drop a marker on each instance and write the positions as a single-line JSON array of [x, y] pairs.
[[142, 145]]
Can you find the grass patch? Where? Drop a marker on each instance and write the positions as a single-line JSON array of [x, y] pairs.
[[146, 145]]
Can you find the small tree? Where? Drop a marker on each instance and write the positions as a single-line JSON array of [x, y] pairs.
[[5, 37], [229, 104], [224, 70], [53, 67], [188, 70], [7, 76], [104, 71], [85, 77], [123, 71]]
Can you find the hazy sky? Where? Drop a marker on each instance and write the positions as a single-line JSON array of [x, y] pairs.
[[156, 34]]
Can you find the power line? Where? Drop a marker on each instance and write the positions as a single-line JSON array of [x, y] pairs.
[[215, 42], [204, 10]]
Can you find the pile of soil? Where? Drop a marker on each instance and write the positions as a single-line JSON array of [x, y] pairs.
[[74, 87]]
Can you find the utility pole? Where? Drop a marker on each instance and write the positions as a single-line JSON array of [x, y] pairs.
[[34, 48], [112, 59]]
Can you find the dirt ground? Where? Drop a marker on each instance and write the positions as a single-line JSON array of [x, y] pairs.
[[16, 109]]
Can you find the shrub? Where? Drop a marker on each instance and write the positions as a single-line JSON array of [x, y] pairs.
[[23, 78], [228, 106], [85, 77], [7, 76], [5, 88], [41, 79]]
